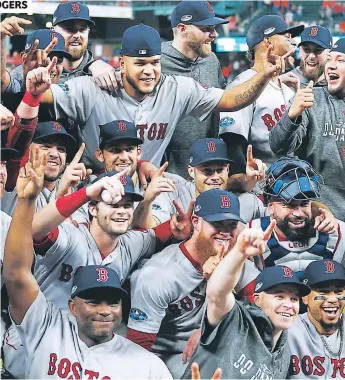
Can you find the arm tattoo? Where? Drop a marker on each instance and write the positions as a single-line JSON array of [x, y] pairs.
[[251, 92]]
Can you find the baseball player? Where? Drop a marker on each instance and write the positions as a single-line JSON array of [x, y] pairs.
[[246, 340], [155, 102], [251, 125], [209, 167], [316, 339], [313, 128], [316, 41], [55, 346], [168, 292], [299, 237]]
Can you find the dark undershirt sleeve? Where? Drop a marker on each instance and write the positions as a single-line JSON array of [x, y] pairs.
[[237, 151]]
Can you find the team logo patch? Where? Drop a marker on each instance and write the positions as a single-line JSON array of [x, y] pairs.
[[305, 281], [226, 121], [75, 8], [27, 46], [197, 208], [137, 315], [314, 31], [156, 207], [74, 289], [226, 202], [141, 52], [64, 87], [258, 286], [186, 18], [287, 272], [269, 30], [190, 159]]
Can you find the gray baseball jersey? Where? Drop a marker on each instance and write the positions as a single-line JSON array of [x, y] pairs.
[[310, 359], [256, 120], [156, 117], [54, 350], [168, 296], [163, 208]]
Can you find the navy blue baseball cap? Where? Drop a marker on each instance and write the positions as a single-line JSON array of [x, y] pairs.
[[317, 34], [216, 205], [208, 150], [339, 46], [53, 128], [267, 26], [72, 11], [141, 41], [118, 130], [195, 13], [96, 277], [45, 36], [8, 154], [320, 271], [279, 275], [127, 183]]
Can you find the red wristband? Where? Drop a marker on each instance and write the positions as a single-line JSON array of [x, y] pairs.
[[68, 204], [32, 100]]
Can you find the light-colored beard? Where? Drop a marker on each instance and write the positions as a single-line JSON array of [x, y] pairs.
[[205, 248], [199, 49], [76, 53], [314, 77]]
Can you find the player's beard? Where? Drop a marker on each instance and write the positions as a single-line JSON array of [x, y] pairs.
[[77, 52], [302, 234], [50, 178], [200, 48], [317, 74], [205, 247]]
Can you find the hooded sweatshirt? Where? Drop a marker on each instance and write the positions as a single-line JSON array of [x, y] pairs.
[[242, 346], [318, 136], [208, 73], [304, 81]]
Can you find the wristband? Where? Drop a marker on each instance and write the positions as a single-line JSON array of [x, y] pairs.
[[32, 100], [68, 204]]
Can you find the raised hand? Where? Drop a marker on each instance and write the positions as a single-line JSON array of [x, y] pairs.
[[6, 118], [252, 241], [105, 76], [146, 172], [10, 26], [196, 373], [211, 264], [291, 80], [31, 176], [181, 223], [159, 184], [275, 64], [326, 221], [38, 80], [74, 173], [111, 186], [304, 99], [255, 169]]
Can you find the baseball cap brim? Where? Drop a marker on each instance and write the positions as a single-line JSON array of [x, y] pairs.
[[90, 22], [8, 154], [214, 159], [60, 53], [135, 196], [303, 290], [69, 141], [295, 31], [210, 21], [221, 216], [83, 292], [332, 278], [316, 41], [136, 140]]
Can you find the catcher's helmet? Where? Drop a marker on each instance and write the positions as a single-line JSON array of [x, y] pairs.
[[291, 178]]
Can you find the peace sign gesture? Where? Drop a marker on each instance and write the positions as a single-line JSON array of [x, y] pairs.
[[38, 80], [181, 222]]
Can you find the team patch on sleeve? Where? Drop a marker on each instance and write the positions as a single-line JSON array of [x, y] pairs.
[[137, 315], [226, 121], [64, 87]]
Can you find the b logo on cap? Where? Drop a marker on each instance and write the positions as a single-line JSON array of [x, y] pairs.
[[75, 8], [56, 126], [209, 6], [211, 147], [329, 267], [54, 35], [314, 31], [123, 180], [122, 126], [102, 275], [225, 201], [287, 272]]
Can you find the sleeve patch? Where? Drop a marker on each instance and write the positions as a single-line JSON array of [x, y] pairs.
[[138, 315]]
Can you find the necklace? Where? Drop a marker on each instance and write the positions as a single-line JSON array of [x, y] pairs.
[[326, 345]]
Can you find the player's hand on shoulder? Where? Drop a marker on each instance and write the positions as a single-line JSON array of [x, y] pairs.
[[105, 76], [38, 80], [6, 118], [325, 221], [75, 172], [252, 241], [255, 168], [159, 184], [196, 373], [10, 26], [31, 176], [107, 189], [181, 222], [304, 99], [146, 172]]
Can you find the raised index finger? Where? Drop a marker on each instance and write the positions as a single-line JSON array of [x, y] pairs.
[[78, 155], [269, 230], [195, 371], [51, 45], [289, 53], [23, 21], [250, 154], [161, 170]]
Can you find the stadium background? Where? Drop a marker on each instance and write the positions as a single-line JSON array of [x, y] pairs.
[[113, 17]]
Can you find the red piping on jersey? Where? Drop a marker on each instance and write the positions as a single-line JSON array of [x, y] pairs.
[[43, 245], [163, 232], [339, 238], [145, 340], [7, 338], [195, 264]]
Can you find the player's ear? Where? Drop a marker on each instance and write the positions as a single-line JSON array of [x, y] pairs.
[[139, 152], [267, 42], [23, 56], [191, 171], [93, 209], [71, 305], [196, 222], [228, 168], [99, 155], [256, 299], [122, 63], [305, 300]]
